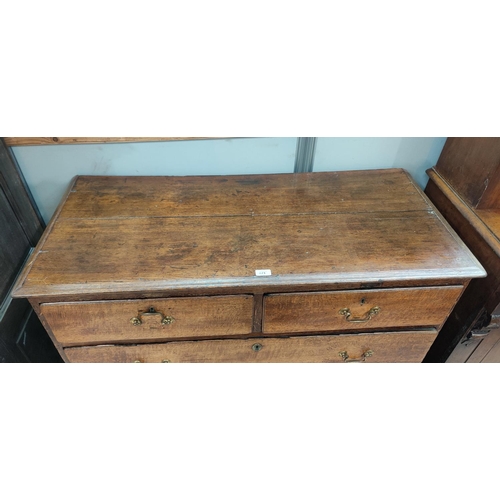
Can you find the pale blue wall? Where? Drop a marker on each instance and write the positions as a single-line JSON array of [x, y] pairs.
[[415, 154], [49, 169]]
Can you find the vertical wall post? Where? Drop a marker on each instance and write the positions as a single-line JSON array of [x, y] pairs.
[[304, 156]]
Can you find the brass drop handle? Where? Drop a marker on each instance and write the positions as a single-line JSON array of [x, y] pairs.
[[346, 359], [163, 361], [367, 317], [164, 320]]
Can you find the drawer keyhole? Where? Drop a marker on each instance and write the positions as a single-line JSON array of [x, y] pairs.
[[257, 347]]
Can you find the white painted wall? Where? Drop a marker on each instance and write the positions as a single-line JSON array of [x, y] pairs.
[[49, 169]]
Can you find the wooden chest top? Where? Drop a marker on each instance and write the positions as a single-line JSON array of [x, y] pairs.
[[122, 236]]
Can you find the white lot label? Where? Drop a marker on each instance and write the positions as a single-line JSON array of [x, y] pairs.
[[263, 272]]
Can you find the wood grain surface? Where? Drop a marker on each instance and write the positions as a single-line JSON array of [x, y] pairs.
[[493, 355], [491, 218], [319, 312], [87, 255], [471, 166], [487, 349], [404, 347], [481, 294], [186, 246], [448, 201], [110, 321], [171, 233], [478, 349], [272, 194], [44, 141]]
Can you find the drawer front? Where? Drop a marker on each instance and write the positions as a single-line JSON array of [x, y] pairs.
[[355, 310], [399, 347], [131, 320]]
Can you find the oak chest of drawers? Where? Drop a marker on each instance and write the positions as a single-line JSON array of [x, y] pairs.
[[312, 267]]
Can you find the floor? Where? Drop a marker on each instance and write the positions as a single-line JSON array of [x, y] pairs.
[[482, 347]]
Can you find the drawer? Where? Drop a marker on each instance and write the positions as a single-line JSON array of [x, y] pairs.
[[408, 347], [353, 310], [132, 320]]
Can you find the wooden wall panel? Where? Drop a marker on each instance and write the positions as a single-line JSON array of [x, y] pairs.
[[471, 165], [40, 141]]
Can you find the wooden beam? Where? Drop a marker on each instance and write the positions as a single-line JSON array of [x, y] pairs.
[[40, 141]]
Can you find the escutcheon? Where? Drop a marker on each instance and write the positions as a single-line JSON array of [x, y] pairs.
[[164, 320]]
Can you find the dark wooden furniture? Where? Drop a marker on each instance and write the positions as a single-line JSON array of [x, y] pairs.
[[22, 337], [465, 187], [310, 267]]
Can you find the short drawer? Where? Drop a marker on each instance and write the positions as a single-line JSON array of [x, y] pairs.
[[355, 310], [145, 319], [398, 347]]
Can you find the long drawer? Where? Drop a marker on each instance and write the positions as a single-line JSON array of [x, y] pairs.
[[352, 310], [149, 319], [408, 347]]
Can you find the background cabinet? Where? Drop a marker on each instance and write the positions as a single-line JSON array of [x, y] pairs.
[[465, 187], [22, 337]]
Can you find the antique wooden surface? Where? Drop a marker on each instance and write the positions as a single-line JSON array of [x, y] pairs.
[[110, 321], [404, 347], [491, 218], [471, 166], [471, 305], [189, 247], [133, 248], [317, 312], [306, 193], [483, 222], [41, 141], [465, 187]]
